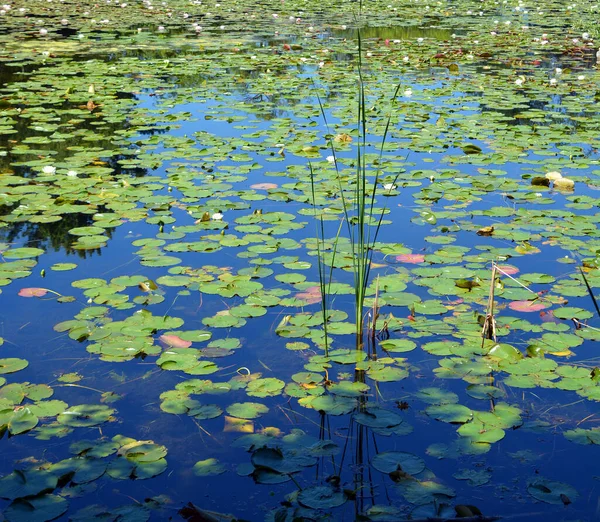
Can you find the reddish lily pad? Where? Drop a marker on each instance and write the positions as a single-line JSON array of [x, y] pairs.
[[413, 259], [33, 292], [509, 269], [175, 341], [311, 295], [263, 186], [527, 306]]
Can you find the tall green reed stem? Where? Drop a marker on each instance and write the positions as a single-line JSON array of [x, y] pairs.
[[363, 220], [325, 274]]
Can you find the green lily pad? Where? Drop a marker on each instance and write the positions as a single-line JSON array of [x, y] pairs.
[[22, 253], [550, 491], [390, 461], [452, 413], [85, 415], [247, 410], [12, 365], [321, 497], [42, 508], [208, 467]]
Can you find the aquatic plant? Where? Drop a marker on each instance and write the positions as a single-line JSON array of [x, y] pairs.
[[362, 219]]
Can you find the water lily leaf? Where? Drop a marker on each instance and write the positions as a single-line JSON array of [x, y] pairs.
[[390, 461], [268, 387], [330, 404], [424, 492], [63, 267], [349, 389], [321, 497], [125, 469], [388, 374], [81, 470], [85, 415], [583, 436], [398, 345], [21, 420], [378, 418], [142, 451], [203, 411], [474, 477], [572, 313], [267, 476], [485, 392], [128, 513], [528, 306], [452, 413], [12, 365], [22, 253], [437, 396], [33, 292], [506, 352], [471, 148], [430, 307], [175, 341], [550, 491], [411, 258], [42, 508], [27, 483], [480, 433], [208, 467], [247, 410], [96, 449], [273, 459]]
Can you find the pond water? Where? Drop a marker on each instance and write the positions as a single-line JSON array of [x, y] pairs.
[[202, 203]]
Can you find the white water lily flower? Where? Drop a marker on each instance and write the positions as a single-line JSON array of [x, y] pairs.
[[72, 173], [49, 169], [389, 186], [43, 32], [405, 59], [330, 159], [217, 216], [558, 70], [585, 36], [553, 81], [408, 93], [519, 81], [581, 77]]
